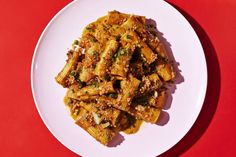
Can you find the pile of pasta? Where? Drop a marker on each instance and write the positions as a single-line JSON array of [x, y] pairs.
[[116, 76]]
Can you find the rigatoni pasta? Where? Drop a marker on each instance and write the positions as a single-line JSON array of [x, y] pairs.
[[116, 76]]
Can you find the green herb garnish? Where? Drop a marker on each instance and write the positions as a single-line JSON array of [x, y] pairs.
[[93, 39], [77, 111], [128, 36], [113, 95], [95, 53], [95, 83], [90, 29], [120, 52], [80, 84], [79, 70], [76, 42], [107, 77], [118, 37], [79, 81], [74, 73], [129, 94]]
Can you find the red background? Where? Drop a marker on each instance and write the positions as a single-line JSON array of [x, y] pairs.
[[22, 132]]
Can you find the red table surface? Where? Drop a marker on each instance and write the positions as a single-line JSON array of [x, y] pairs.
[[22, 132]]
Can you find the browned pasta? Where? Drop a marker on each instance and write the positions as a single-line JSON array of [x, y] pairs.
[[105, 59], [116, 76]]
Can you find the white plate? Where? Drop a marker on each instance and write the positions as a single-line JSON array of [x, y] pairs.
[[151, 140]]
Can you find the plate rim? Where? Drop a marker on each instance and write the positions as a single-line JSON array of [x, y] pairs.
[[196, 115], [32, 71]]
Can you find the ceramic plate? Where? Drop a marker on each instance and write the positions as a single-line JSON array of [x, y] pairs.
[[183, 106]]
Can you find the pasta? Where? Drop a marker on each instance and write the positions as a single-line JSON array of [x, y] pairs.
[[116, 76]]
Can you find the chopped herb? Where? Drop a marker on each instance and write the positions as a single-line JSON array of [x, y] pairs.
[[111, 55], [128, 36], [69, 101], [76, 42], [139, 27], [77, 111], [95, 53], [80, 83], [129, 94], [122, 52], [113, 95], [90, 29], [106, 26], [142, 58], [74, 73], [79, 70], [107, 77], [118, 37], [95, 83], [93, 39]]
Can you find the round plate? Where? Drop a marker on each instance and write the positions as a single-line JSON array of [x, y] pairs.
[[152, 139]]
